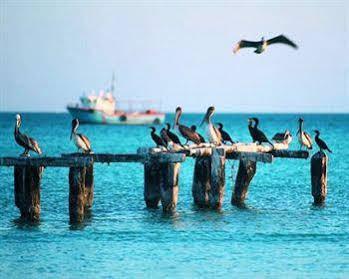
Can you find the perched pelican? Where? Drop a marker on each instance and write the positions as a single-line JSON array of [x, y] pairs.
[[213, 134], [80, 140], [262, 45], [158, 140], [172, 136], [251, 130], [321, 144], [258, 135], [285, 137], [225, 136], [25, 141], [185, 131], [193, 127], [304, 138]]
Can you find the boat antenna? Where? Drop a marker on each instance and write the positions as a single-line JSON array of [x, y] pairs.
[[112, 87]]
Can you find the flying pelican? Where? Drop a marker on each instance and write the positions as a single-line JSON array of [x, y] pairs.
[[193, 127], [262, 45], [321, 144], [80, 140], [213, 134], [185, 131], [158, 140], [25, 141], [225, 136], [304, 138], [285, 137], [258, 135]]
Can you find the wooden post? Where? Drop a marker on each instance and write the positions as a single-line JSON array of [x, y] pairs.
[[27, 191], [201, 181], [209, 179], [217, 180], [169, 173], [89, 186], [318, 171], [76, 193], [247, 170], [151, 184]]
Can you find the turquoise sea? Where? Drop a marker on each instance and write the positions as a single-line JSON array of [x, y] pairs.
[[279, 234]]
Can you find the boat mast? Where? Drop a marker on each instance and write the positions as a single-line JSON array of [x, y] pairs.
[[112, 87]]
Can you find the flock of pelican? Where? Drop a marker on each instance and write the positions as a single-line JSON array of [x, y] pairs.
[[168, 139], [217, 136]]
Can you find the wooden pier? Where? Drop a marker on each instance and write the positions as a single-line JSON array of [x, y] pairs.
[[161, 175]]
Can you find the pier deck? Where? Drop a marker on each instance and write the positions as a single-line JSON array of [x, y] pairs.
[[161, 175]]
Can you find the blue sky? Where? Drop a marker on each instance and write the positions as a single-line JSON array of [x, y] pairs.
[[177, 52]]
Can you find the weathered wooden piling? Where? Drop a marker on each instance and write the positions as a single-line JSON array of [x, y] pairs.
[[151, 184], [27, 180], [246, 171], [318, 171], [77, 200], [89, 186], [209, 179], [216, 192], [169, 178]]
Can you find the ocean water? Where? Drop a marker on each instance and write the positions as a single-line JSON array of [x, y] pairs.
[[279, 234]]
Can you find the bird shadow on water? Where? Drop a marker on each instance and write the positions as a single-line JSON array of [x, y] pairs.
[[87, 221]]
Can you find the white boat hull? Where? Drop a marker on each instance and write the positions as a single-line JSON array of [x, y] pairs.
[[118, 118]]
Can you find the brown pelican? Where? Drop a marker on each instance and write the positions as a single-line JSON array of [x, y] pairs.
[[193, 127], [172, 136], [158, 140], [258, 135], [225, 136], [321, 144], [80, 140], [285, 137], [213, 134], [185, 131], [25, 141], [304, 138], [261, 45]]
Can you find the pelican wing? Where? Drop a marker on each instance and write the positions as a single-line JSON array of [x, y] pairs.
[[281, 39], [29, 143], [244, 44], [279, 137], [164, 135], [308, 138], [174, 137], [189, 134], [86, 141]]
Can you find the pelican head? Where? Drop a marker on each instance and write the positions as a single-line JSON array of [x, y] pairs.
[[317, 132], [152, 128], [300, 120], [220, 126], [209, 113], [18, 120], [193, 128], [177, 116], [74, 127], [256, 121], [168, 126]]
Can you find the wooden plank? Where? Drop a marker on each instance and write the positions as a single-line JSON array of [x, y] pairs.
[[251, 156], [166, 157], [45, 161], [108, 157], [296, 154]]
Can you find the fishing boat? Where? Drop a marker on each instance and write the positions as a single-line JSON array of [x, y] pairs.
[[101, 109]]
